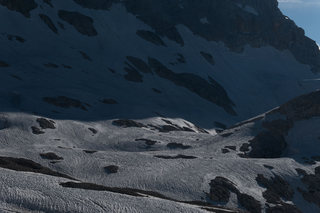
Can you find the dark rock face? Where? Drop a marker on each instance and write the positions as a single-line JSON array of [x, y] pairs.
[[50, 156], [96, 4], [156, 90], [111, 169], [85, 56], [147, 141], [4, 64], [177, 146], [312, 183], [265, 26], [133, 75], [26, 165], [171, 128], [94, 131], [65, 102], [249, 203], [221, 188], [36, 130], [277, 188], [16, 77], [82, 23], [48, 2], [133, 70], [225, 135], [234, 148], [139, 64], [270, 143], [301, 172], [66, 66], [46, 124], [225, 151], [109, 101], [175, 157], [167, 121], [127, 123], [208, 57], [180, 59], [303, 107], [316, 158], [90, 151], [278, 126], [284, 208], [15, 38], [267, 145], [95, 187], [22, 6], [126, 191], [201, 130], [51, 65], [161, 128], [151, 37], [46, 19], [268, 166], [210, 91]]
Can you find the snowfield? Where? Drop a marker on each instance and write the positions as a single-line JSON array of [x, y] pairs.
[[102, 110]]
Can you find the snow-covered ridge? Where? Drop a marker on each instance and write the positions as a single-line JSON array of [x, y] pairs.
[[159, 162]]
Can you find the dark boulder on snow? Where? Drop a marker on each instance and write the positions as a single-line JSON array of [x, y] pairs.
[[82, 23], [50, 156], [45, 123], [22, 6], [111, 169]]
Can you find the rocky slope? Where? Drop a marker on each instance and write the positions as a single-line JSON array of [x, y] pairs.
[[143, 105], [204, 61]]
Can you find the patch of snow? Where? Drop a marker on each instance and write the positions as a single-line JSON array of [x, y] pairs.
[[204, 20], [248, 9]]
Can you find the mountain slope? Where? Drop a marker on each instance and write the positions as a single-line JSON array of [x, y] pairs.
[[267, 163], [139, 106], [174, 58]]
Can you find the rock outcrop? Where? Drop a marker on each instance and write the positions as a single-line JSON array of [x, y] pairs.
[[250, 22]]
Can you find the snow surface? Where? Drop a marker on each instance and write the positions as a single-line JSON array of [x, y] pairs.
[[256, 80], [181, 179]]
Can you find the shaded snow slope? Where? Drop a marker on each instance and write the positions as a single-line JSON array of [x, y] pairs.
[[80, 57]]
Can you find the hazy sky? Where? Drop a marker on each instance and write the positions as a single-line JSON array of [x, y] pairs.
[[305, 13]]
